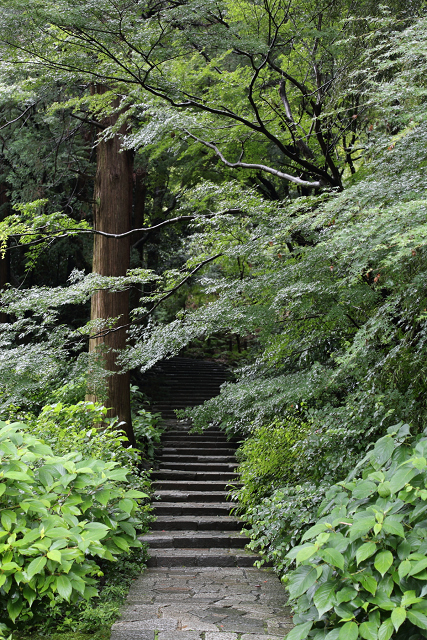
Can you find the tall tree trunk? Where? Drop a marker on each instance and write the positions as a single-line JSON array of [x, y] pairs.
[[111, 257], [4, 260]]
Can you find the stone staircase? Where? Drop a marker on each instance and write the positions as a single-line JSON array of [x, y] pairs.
[[194, 527], [200, 584], [182, 382]]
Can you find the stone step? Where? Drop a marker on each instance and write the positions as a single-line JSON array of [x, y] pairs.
[[215, 485], [183, 433], [197, 466], [189, 443], [195, 437], [167, 474], [201, 459], [192, 508], [199, 523], [202, 451], [202, 558], [192, 540], [182, 393], [191, 496]]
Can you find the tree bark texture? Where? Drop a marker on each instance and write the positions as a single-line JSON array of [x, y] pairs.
[[111, 257], [4, 260]]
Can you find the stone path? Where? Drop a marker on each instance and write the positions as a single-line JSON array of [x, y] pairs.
[[201, 583], [204, 604]]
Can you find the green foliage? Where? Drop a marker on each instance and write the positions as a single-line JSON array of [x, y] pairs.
[[146, 425], [84, 428], [270, 457], [361, 569], [147, 431], [58, 513], [276, 523]]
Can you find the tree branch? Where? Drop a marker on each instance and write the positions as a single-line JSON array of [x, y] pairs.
[[101, 334], [260, 167], [18, 118]]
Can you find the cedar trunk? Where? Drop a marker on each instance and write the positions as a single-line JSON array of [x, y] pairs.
[[111, 257], [4, 260]]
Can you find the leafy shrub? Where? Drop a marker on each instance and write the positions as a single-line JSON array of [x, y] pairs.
[[81, 427], [276, 524], [362, 568], [147, 431], [146, 425], [268, 458], [57, 513]]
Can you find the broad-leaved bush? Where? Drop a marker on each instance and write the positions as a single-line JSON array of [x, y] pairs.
[[58, 514], [361, 570]]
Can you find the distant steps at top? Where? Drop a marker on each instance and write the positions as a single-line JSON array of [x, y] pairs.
[[179, 382]]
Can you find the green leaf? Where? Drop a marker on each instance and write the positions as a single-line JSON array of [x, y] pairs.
[[393, 527], [418, 567], [300, 631], [301, 579], [404, 568], [29, 594], [127, 505], [135, 494], [383, 561], [36, 566], [346, 594], [332, 556], [368, 630], [14, 608], [314, 531], [349, 631], [64, 587], [404, 549], [359, 528], [54, 555], [383, 450], [45, 477], [365, 551], [418, 618], [7, 519], [386, 585], [120, 543], [120, 475], [401, 477], [103, 496], [398, 617], [386, 630], [18, 475], [127, 528], [368, 582], [324, 597], [305, 553], [364, 489], [408, 598]]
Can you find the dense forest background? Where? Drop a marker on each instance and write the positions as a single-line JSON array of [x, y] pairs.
[[246, 181]]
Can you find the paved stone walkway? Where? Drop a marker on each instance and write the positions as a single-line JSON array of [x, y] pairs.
[[209, 603]]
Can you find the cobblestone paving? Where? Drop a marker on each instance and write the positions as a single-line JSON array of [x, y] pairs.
[[209, 603]]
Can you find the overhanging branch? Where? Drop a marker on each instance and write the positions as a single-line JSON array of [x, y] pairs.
[[259, 167]]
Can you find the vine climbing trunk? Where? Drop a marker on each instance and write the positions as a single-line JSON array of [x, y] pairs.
[[111, 257]]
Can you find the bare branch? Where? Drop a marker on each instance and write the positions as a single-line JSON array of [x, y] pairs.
[[260, 167], [18, 118]]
